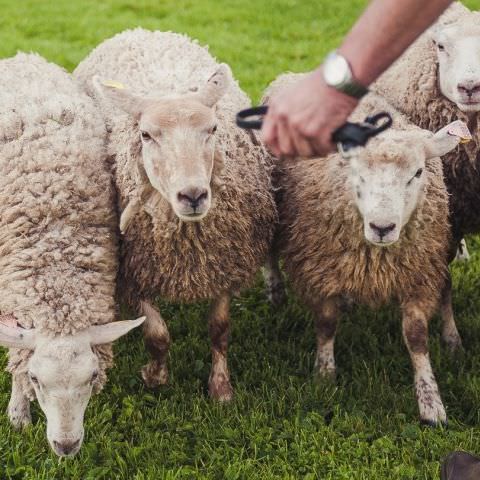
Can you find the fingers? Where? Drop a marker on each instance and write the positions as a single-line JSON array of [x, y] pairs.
[[285, 142], [322, 144], [269, 128], [300, 121], [269, 135], [302, 145]]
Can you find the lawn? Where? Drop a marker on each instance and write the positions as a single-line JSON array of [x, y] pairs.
[[281, 424]]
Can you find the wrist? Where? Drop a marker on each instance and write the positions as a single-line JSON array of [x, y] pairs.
[[338, 74], [359, 68], [332, 92]]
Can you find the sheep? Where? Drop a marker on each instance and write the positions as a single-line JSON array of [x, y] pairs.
[[58, 247], [370, 230], [435, 82], [198, 212]]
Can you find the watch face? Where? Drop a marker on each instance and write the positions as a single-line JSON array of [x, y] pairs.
[[336, 70]]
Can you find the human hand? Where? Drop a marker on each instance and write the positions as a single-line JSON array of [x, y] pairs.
[[301, 119]]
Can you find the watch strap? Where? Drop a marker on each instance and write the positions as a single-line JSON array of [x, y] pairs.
[[353, 89]]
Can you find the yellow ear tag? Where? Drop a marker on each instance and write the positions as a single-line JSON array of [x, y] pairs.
[[114, 84]]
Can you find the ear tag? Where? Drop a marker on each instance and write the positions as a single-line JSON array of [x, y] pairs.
[[114, 84], [9, 320], [459, 129]]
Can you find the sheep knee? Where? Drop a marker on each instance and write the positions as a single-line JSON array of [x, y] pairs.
[[275, 287], [19, 406], [157, 341], [326, 320], [450, 333], [416, 336], [219, 326], [415, 332]]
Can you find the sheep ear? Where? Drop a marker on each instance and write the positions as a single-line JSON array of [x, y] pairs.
[[100, 334], [120, 96], [13, 336], [215, 87], [447, 139]]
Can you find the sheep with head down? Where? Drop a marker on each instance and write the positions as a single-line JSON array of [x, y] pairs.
[[438, 81], [195, 191], [372, 229], [58, 247]]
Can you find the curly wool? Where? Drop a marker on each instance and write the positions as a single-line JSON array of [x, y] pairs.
[[161, 254], [58, 246], [321, 234], [412, 86]]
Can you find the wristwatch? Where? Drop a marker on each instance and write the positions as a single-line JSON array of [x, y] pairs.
[[337, 74]]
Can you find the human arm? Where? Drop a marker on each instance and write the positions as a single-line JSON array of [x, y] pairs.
[[302, 118]]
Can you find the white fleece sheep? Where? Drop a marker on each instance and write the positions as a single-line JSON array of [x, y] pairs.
[[372, 229], [58, 247], [198, 210], [435, 82]]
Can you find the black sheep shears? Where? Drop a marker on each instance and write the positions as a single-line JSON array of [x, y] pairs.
[[348, 136]]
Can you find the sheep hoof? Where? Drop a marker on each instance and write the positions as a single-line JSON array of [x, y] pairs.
[[277, 296], [325, 375], [220, 389], [19, 415], [154, 375], [325, 369], [432, 411], [454, 345], [433, 423], [462, 252]]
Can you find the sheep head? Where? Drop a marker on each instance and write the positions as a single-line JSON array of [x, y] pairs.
[[387, 177], [177, 141], [458, 53], [63, 371]]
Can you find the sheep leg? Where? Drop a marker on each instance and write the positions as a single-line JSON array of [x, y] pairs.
[[19, 406], [157, 341], [274, 281], [450, 333], [326, 315], [415, 334], [462, 252], [219, 327]]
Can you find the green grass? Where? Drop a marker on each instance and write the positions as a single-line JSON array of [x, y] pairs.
[[281, 424]]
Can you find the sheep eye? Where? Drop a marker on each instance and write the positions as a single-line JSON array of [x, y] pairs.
[[419, 173], [94, 376], [145, 136], [34, 379], [213, 130], [441, 47]]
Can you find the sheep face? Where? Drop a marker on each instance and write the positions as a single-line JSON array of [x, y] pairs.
[[387, 179], [63, 371], [458, 53], [178, 148], [177, 141]]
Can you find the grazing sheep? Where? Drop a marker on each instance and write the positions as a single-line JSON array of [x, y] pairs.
[[371, 230], [435, 82], [58, 247], [198, 211]]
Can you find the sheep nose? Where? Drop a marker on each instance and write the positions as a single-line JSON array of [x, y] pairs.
[[382, 230], [66, 447], [192, 196], [469, 87]]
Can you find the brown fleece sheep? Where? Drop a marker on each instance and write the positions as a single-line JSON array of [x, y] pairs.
[[198, 210], [372, 229], [428, 95]]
